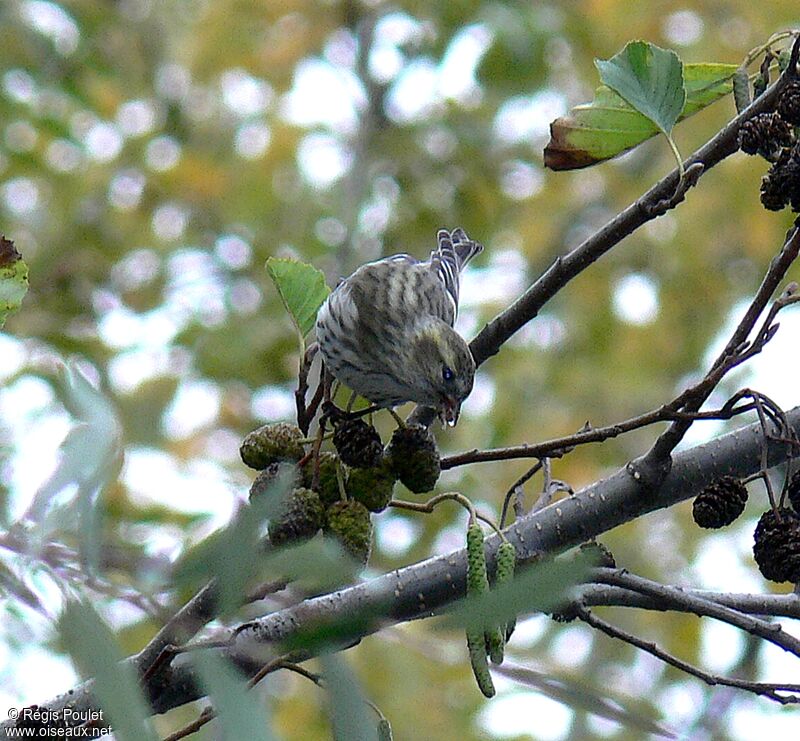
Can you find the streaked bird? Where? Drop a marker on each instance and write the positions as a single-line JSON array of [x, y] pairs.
[[386, 331]]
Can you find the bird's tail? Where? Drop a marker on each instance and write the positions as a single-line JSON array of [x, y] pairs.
[[457, 248]]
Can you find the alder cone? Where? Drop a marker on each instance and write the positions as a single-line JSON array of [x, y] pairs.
[[765, 134], [301, 518], [789, 103], [415, 458], [270, 444], [349, 522], [358, 443], [776, 545], [720, 503], [373, 487], [328, 487]]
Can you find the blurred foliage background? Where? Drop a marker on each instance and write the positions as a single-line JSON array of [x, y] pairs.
[[153, 154]]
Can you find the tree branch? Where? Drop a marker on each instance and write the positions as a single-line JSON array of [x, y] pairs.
[[734, 352], [700, 606], [759, 688], [774, 605], [416, 591]]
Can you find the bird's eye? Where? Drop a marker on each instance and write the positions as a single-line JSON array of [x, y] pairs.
[[447, 373]]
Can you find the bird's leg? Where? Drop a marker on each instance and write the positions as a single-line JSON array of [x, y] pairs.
[[363, 412], [335, 414]]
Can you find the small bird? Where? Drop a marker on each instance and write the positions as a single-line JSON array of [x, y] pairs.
[[386, 332]]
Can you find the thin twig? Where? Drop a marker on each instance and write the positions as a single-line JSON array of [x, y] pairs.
[[206, 716], [430, 505], [303, 421], [735, 351], [765, 689], [770, 632], [557, 447], [516, 492], [550, 487]]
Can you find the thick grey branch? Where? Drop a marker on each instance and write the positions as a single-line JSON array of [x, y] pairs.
[[773, 605], [679, 599]]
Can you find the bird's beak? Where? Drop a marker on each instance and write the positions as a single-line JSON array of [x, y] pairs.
[[450, 411]]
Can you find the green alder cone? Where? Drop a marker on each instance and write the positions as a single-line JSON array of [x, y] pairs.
[[373, 487], [328, 488], [266, 478], [415, 458], [270, 444], [302, 516], [349, 522]]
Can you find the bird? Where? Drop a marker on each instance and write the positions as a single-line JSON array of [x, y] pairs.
[[386, 331]]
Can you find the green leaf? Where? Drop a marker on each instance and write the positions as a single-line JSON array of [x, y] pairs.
[[13, 279], [235, 556], [609, 125], [347, 706], [239, 712], [650, 79], [94, 650], [706, 83], [91, 457], [231, 554], [302, 289], [538, 588], [12, 585], [577, 694]]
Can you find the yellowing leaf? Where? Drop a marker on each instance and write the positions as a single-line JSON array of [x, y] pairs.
[[609, 125]]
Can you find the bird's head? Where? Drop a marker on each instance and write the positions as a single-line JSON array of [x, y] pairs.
[[445, 369]]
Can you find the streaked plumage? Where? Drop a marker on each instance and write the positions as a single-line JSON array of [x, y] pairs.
[[387, 332]]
